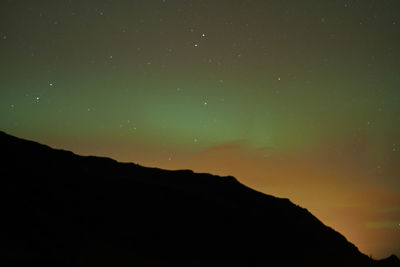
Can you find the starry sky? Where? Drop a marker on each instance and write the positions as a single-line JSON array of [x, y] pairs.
[[298, 99]]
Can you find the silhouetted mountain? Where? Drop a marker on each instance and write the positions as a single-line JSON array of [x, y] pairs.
[[60, 209]]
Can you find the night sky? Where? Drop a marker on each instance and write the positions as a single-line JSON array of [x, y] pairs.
[[298, 99]]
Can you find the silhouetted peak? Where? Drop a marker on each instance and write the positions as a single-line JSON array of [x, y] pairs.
[[71, 210], [392, 260]]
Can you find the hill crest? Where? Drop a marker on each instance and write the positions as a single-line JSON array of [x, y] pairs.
[[70, 210]]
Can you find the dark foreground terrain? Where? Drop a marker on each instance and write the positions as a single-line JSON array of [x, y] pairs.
[[60, 209]]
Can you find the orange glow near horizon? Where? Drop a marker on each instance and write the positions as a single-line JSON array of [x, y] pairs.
[[336, 189], [297, 99]]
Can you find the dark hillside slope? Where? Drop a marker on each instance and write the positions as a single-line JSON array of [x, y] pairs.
[[62, 209]]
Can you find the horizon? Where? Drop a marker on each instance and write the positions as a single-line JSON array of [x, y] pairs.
[[295, 100]]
